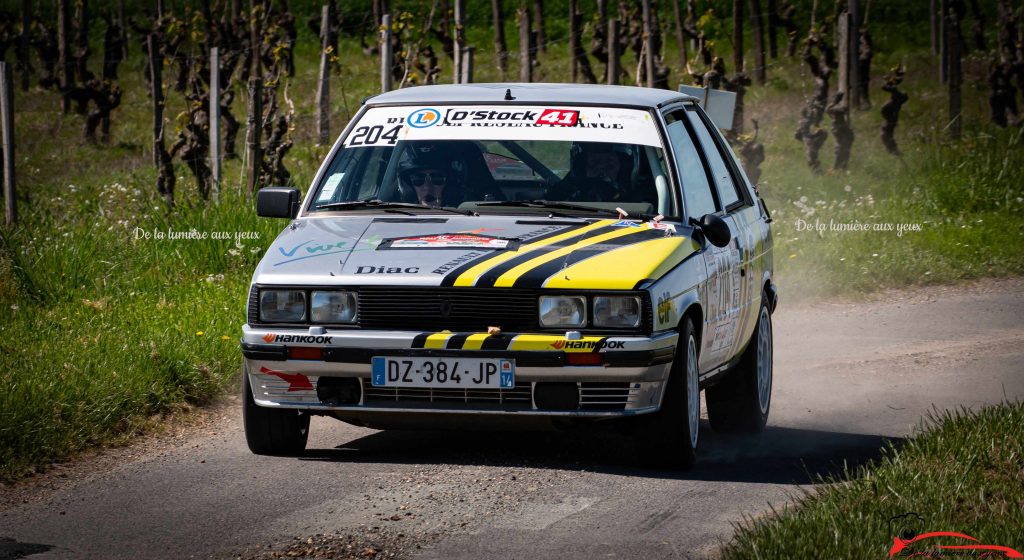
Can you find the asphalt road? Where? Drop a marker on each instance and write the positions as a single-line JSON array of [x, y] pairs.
[[847, 377]]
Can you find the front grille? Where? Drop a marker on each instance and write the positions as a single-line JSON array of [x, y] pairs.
[[517, 398], [595, 396], [456, 309]]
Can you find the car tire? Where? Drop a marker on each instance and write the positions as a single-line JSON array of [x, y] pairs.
[[741, 401], [272, 431], [669, 438]]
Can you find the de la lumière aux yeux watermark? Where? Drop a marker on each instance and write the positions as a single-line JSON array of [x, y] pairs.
[[856, 226], [195, 235]]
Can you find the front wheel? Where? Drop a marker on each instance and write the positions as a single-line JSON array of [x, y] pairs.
[[272, 431], [741, 401], [669, 437]]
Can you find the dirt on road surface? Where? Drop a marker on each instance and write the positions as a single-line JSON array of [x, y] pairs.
[[848, 376]]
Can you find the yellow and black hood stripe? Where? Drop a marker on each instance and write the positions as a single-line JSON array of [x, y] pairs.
[[547, 260], [466, 274]]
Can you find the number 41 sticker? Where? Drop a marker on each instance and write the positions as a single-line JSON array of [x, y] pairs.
[[558, 117]]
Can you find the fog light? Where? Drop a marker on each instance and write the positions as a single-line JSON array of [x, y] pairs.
[[337, 391], [561, 395]]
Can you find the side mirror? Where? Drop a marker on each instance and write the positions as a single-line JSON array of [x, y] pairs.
[[714, 229], [277, 202]]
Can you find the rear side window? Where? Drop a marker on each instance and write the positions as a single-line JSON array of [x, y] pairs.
[[727, 192], [696, 188]]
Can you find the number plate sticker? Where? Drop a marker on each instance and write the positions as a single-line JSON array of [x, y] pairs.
[[443, 372]]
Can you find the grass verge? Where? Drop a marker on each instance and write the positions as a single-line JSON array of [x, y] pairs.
[[963, 473], [99, 330]]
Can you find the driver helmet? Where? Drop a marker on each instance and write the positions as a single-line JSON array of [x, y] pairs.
[[425, 173], [602, 160]]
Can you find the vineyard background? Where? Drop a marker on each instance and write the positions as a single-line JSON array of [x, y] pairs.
[[102, 333]]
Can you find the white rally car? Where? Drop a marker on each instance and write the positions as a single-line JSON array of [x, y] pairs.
[[481, 254]]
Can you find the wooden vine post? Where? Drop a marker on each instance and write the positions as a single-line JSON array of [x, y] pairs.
[[7, 124], [254, 125], [525, 52], [323, 88], [215, 149], [385, 54], [648, 49], [613, 52]]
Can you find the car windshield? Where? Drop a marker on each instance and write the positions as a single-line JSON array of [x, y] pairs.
[[578, 160]]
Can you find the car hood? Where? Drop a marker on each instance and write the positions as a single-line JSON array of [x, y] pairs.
[[482, 251]]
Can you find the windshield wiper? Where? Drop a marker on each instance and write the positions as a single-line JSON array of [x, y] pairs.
[[551, 205], [383, 205]]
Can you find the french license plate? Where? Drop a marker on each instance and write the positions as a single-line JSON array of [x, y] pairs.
[[444, 372]]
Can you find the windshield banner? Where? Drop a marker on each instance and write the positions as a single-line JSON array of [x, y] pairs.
[[383, 126]]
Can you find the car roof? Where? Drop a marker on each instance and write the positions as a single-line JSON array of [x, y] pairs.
[[561, 94]]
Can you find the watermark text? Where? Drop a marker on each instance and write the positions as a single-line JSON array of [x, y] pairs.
[[194, 235], [856, 226]]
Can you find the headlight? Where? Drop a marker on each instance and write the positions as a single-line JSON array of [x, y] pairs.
[[617, 311], [282, 306], [563, 311], [332, 307]]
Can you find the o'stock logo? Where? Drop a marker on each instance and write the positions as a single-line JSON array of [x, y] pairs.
[[423, 118]]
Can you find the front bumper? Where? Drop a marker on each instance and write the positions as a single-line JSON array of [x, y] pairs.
[[629, 379]]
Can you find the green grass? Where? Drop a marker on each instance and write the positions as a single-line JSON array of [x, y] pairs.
[[98, 330], [959, 206], [963, 473], [104, 331]]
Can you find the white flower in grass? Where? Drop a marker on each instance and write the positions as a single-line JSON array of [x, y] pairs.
[[848, 188], [14, 307]]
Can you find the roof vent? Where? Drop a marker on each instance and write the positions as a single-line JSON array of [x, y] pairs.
[[508, 95]]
